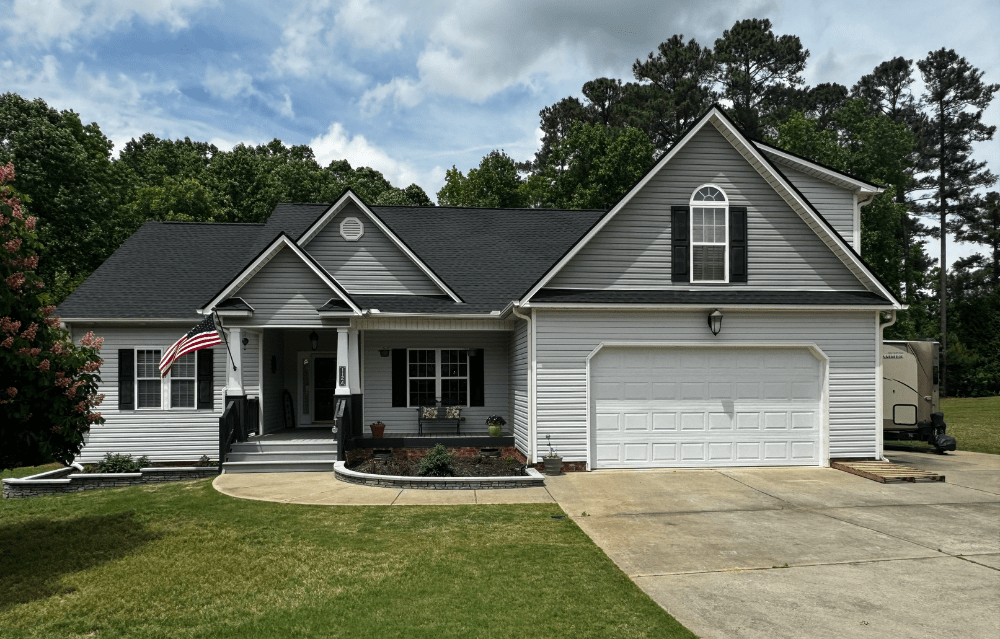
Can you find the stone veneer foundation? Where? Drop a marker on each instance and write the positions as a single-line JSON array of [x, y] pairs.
[[358, 454], [67, 480], [531, 480]]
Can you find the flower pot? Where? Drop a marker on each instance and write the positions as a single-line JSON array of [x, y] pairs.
[[496, 431], [553, 465], [377, 430]]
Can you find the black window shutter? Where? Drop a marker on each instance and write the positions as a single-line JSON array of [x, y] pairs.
[[680, 243], [737, 244], [126, 379], [399, 389], [477, 379], [206, 370]]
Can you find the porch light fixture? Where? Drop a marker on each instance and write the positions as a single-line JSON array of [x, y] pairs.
[[715, 321], [245, 340], [384, 351], [314, 340]]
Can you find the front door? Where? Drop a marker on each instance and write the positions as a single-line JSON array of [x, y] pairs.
[[326, 388]]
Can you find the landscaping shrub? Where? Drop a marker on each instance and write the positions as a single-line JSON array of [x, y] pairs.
[[119, 463], [437, 463]]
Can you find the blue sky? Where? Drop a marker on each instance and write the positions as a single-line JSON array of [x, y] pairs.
[[414, 88]]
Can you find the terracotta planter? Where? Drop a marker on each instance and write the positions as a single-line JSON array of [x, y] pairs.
[[553, 465], [377, 430]]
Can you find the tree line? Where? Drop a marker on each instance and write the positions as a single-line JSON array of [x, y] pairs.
[[593, 150]]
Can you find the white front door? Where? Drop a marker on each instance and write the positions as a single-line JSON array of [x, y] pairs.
[[705, 407]]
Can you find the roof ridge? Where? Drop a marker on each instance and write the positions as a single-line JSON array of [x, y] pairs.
[[207, 223]]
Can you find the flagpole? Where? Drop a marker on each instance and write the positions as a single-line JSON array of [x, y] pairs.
[[226, 341]]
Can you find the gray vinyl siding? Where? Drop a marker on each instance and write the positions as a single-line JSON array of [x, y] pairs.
[[272, 396], [378, 376], [834, 203], [250, 363], [633, 250], [162, 434], [371, 265], [518, 403], [285, 292], [565, 339]]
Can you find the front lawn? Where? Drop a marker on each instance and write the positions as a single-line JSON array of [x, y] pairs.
[[974, 422], [25, 471], [181, 560]]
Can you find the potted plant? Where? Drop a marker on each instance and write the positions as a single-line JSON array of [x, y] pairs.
[[496, 424], [377, 429], [552, 461]]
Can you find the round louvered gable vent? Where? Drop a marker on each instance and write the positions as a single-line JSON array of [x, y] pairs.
[[351, 229]]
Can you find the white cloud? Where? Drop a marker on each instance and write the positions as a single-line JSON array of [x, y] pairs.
[[338, 144], [227, 84], [370, 26], [66, 21]]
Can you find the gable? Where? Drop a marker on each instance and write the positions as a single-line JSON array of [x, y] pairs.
[[834, 203], [285, 291], [632, 251]]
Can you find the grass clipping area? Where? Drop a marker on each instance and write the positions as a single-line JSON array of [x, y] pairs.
[[974, 422], [181, 560]]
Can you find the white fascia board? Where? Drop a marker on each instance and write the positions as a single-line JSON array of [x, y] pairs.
[[281, 242], [612, 213], [798, 204], [349, 196], [834, 177], [226, 313], [127, 321], [569, 306]]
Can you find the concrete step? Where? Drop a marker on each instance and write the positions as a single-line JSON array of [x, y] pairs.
[[299, 466], [298, 455], [283, 447]]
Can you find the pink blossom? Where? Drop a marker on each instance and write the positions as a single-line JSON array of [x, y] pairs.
[[7, 343], [63, 382], [58, 347], [81, 407], [29, 263], [9, 326], [28, 223], [93, 417], [90, 367], [15, 280], [3, 220], [7, 172], [13, 245], [31, 352], [90, 340], [98, 400], [44, 366], [60, 375], [46, 310], [30, 332], [12, 391]]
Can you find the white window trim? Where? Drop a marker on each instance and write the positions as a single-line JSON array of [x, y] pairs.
[[170, 378], [165, 395], [702, 204], [438, 377]]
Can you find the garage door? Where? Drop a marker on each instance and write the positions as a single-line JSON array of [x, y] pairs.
[[691, 407]]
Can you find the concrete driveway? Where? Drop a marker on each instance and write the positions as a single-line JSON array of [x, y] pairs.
[[807, 552]]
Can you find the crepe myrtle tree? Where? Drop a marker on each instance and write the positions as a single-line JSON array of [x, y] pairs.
[[48, 392]]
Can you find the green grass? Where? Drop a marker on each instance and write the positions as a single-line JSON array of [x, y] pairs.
[[974, 422], [181, 560], [25, 471]]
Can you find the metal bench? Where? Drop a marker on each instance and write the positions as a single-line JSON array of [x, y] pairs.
[[440, 420]]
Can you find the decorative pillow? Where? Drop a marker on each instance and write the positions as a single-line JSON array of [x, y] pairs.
[[454, 412], [430, 412]]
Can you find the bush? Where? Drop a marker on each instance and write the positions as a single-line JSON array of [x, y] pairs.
[[437, 463], [119, 463]]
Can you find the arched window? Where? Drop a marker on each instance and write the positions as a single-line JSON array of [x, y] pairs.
[[709, 235]]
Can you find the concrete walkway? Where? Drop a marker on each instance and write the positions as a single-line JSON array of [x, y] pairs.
[[806, 552], [326, 490]]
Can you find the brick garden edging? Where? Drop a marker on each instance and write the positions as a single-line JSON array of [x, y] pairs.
[[67, 480], [532, 479]]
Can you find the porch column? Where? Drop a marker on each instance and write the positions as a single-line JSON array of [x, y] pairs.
[[234, 378], [343, 362], [353, 365]]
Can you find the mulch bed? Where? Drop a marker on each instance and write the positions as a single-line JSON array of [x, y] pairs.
[[463, 467]]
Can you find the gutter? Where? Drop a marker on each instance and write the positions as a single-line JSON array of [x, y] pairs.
[[878, 418], [531, 382]]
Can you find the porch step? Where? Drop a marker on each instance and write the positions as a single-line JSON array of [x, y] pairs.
[[327, 453], [265, 446], [296, 466]]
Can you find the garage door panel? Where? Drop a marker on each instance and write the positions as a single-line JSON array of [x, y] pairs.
[[706, 407]]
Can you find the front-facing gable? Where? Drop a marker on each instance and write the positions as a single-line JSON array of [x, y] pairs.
[[790, 245]]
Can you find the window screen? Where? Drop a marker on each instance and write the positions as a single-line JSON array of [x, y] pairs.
[[147, 377]]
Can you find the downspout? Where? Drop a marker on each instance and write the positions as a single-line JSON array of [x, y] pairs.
[[881, 395], [531, 388]]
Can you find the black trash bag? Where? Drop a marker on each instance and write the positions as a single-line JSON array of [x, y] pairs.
[[944, 442]]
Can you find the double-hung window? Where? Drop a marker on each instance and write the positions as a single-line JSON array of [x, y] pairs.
[[440, 374], [183, 382], [147, 378], [709, 235]]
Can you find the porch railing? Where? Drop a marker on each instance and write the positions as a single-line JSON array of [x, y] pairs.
[[241, 417]]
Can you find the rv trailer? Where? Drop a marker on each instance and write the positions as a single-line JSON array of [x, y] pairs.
[[911, 409]]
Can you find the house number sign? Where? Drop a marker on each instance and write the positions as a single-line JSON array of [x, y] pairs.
[[343, 376]]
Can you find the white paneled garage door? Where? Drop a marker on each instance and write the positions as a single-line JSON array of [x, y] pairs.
[[709, 406]]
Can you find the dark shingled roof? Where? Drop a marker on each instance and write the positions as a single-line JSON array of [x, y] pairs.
[[165, 270], [711, 298]]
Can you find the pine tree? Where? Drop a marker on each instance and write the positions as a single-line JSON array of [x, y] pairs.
[[955, 99]]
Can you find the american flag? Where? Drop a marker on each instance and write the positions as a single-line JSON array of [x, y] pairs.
[[201, 336]]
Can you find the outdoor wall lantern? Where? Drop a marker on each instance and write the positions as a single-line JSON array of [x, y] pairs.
[[384, 351], [314, 340], [245, 340], [715, 321], [471, 352]]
